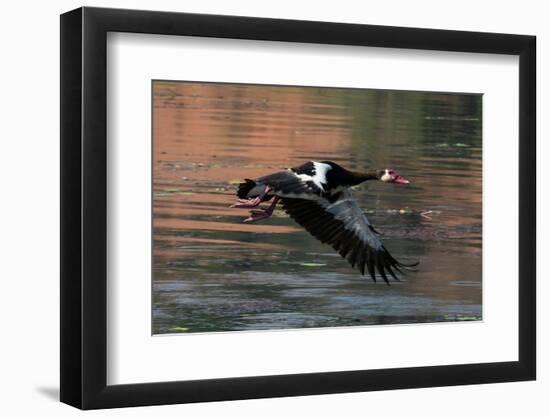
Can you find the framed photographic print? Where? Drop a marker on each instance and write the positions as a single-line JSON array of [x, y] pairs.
[[259, 207]]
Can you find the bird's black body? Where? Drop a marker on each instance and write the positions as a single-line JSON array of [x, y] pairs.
[[336, 176], [330, 180], [317, 196]]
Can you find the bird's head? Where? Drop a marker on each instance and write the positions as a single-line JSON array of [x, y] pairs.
[[391, 175]]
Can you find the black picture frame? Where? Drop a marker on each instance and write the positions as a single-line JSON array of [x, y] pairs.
[[84, 207]]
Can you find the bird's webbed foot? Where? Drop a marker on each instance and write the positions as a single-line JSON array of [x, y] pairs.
[[252, 202], [257, 215]]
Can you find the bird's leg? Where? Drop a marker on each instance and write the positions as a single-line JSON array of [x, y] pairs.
[[252, 202], [256, 215]]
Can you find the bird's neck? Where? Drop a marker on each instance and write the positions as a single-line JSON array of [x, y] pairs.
[[359, 177]]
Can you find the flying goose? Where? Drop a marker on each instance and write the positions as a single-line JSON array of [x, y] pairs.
[[318, 197]]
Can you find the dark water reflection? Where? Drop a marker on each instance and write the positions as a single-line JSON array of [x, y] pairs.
[[211, 272]]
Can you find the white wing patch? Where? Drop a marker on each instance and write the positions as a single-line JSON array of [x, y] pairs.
[[319, 177]]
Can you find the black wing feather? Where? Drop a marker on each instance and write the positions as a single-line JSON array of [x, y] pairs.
[[345, 227]]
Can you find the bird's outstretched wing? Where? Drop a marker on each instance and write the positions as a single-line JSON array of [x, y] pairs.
[[307, 181], [283, 184], [341, 223]]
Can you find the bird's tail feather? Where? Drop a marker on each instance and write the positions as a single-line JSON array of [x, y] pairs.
[[245, 187]]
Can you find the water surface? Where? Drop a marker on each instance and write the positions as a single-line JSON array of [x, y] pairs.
[[211, 272]]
